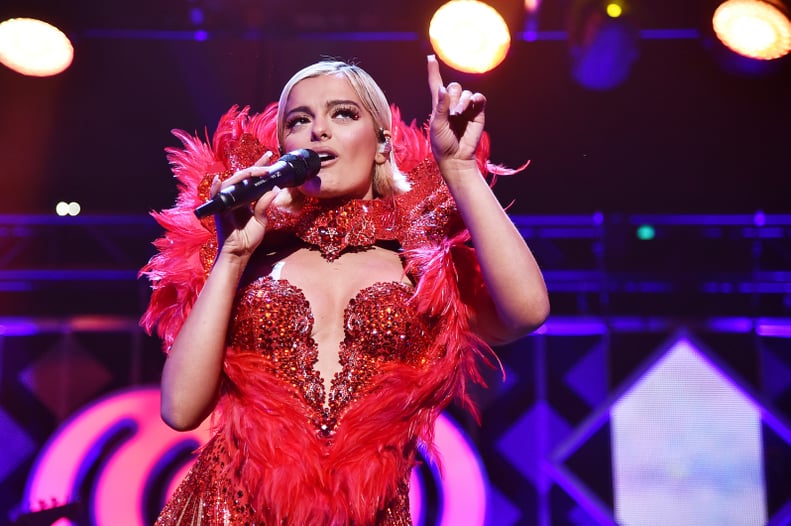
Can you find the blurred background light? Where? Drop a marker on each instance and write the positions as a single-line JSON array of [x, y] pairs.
[[603, 43], [645, 232], [531, 6], [469, 36], [758, 29], [34, 47], [68, 209], [614, 10]]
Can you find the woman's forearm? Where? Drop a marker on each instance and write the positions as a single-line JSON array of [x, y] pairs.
[[191, 375], [515, 287]]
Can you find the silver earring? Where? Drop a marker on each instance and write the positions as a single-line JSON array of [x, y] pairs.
[[385, 147]]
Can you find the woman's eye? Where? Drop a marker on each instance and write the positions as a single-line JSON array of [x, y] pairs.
[[295, 121], [346, 113]]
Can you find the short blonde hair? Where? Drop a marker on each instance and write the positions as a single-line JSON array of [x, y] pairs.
[[387, 178]]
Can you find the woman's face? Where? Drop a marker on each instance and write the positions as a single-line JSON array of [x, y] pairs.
[[325, 115]]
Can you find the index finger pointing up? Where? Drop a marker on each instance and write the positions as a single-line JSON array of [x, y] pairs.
[[434, 79]]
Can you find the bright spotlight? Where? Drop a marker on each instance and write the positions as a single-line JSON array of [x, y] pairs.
[[469, 36], [614, 10], [62, 208], [758, 29], [33, 47], [74, 208], [68, 209]]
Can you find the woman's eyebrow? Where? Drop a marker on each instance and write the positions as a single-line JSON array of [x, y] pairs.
[[341, 102], [328, 104], [298, 109]]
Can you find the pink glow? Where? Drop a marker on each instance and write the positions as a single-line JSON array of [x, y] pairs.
[[120, 485], [119, 491]]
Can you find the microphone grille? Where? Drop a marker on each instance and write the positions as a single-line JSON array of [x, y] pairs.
[[305, 161]]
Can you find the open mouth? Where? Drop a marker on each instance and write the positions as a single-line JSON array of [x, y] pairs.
[[324, 157]]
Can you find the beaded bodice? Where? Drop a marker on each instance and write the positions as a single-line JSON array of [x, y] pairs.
[[274, 319]]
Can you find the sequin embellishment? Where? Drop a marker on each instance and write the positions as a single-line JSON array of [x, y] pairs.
[[381, 325], [335, 226]]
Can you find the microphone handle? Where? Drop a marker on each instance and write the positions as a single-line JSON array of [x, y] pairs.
[[292, 169], [235, 196]]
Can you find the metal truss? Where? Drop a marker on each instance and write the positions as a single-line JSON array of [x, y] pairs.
[[61, 272]]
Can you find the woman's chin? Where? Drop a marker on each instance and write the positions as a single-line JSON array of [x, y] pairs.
[[318, 189]]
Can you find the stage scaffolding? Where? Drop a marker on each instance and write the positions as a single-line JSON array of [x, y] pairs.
[[624, 271]]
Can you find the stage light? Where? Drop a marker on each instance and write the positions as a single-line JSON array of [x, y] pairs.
[[469, 36], [645, 232], [33, 47], [530, 20], [614, 10], [603, 42], [68, 209], [531, 6], [758, 29]]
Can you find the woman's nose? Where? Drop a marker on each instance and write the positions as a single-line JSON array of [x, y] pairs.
[[320, 131]]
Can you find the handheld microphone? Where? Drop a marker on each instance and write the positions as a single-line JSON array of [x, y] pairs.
[[292, 169]]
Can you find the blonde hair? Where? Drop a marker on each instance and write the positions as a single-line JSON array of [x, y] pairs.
[[387, 178]]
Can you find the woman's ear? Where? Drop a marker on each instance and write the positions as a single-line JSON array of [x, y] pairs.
[[385, 146]]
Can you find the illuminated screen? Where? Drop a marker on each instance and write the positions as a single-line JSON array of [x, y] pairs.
[[687, 447]]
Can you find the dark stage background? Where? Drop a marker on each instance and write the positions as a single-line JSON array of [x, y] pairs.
[[697, 318]]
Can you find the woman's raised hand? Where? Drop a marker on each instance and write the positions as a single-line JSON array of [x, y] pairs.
[[457, 118]]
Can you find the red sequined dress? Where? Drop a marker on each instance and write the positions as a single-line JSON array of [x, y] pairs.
[[284, 452]]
